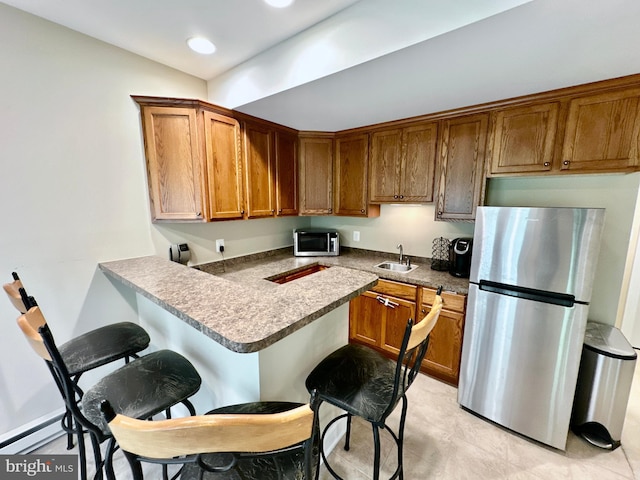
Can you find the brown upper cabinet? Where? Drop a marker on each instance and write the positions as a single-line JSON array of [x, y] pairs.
[[461, 178], [259, 170], [174, 164], [603, 132], [223, 166], [193, 163], [523, 138], [402, 164], [270, 171], [286, 174], [350, 177], [316, 174]]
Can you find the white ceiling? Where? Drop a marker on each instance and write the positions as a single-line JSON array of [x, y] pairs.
[[389, 59]]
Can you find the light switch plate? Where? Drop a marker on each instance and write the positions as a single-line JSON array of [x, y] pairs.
[[356, 236], [219, 243]]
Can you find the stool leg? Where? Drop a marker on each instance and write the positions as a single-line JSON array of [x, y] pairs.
[[376, 454], [347, 437], [403, 417]]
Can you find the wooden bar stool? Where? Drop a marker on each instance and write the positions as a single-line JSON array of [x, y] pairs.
[[142, 388], [104, 345], [261, 440], [364, 383]]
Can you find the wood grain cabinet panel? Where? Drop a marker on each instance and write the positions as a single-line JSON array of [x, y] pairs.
[[377, 324], [445, 346], [403, 164], [523, 139], [286, 174], [316, 175], [351, 177], [224, 167], [259, 171], [174, 163], [603, 132], [461, 170], [381, 326]]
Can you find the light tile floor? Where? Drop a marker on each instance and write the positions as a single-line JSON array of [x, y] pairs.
[[443, 441]]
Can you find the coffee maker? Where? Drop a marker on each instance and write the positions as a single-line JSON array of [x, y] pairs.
[[460, 257]]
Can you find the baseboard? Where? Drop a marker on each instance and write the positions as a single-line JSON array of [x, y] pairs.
[[33, 435]]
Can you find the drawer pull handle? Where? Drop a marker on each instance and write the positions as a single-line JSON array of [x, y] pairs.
[[386, 302]]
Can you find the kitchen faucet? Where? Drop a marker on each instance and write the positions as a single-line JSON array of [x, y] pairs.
[[401, 256]]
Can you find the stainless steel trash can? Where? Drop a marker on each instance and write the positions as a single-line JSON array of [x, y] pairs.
[[604, 382]]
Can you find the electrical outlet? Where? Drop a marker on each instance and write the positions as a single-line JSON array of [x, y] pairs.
[[220, 245], [356, 236]]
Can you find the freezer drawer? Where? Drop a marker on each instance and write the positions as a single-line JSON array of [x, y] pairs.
[[520, 362]]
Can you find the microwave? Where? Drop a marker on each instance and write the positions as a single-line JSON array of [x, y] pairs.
[[316, 242]]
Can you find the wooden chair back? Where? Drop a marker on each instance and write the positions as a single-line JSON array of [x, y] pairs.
[[15, 291], [421, 330], [30, 324], [162, 439]]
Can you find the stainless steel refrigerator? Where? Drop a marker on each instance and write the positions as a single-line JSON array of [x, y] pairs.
[[532, 272]]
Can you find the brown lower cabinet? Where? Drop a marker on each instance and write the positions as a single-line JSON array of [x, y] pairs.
[[378, 317]]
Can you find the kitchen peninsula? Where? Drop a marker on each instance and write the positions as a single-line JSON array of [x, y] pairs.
[[252, 338]]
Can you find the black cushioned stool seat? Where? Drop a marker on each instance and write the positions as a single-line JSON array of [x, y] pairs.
[[142, 388], [102, 346], [284, 466], [356, 379]]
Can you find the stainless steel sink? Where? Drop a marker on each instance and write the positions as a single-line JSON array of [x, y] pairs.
[[397, 267]]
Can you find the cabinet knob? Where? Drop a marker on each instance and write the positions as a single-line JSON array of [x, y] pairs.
[[241, 212], [362, 211], [395, 196], [566, 162], [424, 311], [273, 211], [401, 196], [280, 211], [439, 214], [330, 210], [199, 214], [546, 164]]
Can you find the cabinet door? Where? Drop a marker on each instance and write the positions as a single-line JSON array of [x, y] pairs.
[[378, 323], [603, 132], [523, 139], [395, 323], [418, 162], [259, 171], [445, 346], [386, 151], [173, 163], [224, 169], [316, 175], [350, 176], [286, 174], [462, 176], [365, 319]]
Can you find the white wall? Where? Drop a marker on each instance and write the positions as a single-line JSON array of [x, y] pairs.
[[616, 193], [411, 225], [73, 187]]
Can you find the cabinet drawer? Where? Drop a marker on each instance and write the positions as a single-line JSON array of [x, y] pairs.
[[450, 301], [401, 290]]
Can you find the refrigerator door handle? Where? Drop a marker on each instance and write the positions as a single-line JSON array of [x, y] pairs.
[[562, 299]]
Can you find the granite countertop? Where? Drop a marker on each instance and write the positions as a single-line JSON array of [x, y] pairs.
[[253, 269], [236, 304], [242, 311]]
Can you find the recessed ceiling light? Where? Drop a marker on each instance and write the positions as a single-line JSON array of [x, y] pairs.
[[201, 45], [279, 3]]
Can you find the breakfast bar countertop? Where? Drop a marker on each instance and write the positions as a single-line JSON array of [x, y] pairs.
[[247, 313], [235, 303]]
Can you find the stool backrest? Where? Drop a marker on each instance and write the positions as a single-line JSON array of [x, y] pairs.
[[246, 435], [30, 324], [414, 347], [18, 295]]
